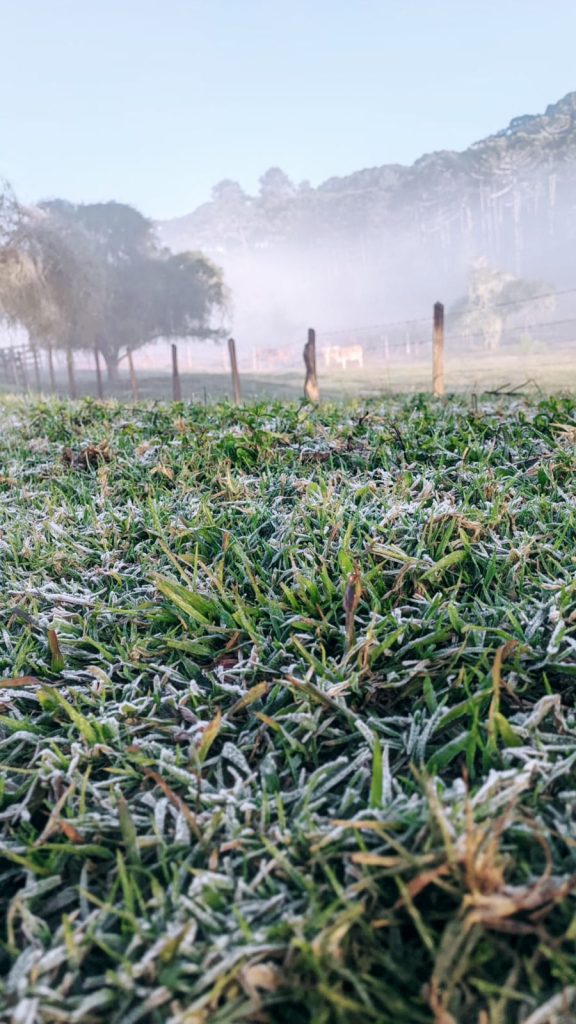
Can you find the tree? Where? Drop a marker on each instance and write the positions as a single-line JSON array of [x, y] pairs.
[[232, 211], [94, 276], [276, 186], [229, 193], [167, 296], [494, 298], [49, 284], [9, 214]]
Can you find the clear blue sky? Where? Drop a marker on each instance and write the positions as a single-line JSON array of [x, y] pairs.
[[154, 101]]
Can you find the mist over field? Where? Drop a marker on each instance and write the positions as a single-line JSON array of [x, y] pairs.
[[489, 231], [384, 243]]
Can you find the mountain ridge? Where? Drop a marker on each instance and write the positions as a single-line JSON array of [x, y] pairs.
[[383, 240], [521, 125]]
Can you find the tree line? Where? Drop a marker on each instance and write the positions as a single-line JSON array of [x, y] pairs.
[[95, 277]]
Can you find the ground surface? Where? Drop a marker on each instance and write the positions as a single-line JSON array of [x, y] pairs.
[[535, 369], [286, 724]]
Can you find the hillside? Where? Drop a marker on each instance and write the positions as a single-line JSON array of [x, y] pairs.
[[385, 242]]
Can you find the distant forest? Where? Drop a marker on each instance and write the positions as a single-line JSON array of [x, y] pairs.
[[386, 242]]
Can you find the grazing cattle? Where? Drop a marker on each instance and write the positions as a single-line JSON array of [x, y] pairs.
[[341, 355], [275, 358]]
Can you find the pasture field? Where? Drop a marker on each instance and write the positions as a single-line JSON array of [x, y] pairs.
[[287, 727], [538, 369]]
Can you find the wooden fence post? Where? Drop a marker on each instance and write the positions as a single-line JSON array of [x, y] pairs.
[[99, 386], [51, 370], [311, 389], [438, 351], [234, 369], [133, 378], [176, 389], [71, 374]]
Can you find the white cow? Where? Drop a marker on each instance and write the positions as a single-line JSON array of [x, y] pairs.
[[341, 355]]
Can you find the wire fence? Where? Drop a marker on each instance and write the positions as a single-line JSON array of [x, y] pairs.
[[396, 355]]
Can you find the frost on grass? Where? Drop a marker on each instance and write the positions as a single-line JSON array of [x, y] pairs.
[[236, 785]]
